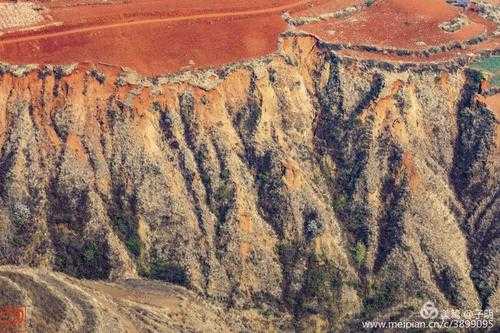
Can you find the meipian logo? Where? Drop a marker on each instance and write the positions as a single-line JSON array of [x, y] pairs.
[[12, 319], [429, 311]]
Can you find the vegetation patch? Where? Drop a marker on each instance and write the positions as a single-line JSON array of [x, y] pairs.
[[272, 198], [339, 203], [359, 253], [321, 284], [455, 24], [168, 272], [385, 295], [134, 245], [490, 68], [312, 225], [94, 262], [449, 282], [126, 228]]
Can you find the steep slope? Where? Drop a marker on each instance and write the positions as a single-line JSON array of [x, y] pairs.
[[305, 183]]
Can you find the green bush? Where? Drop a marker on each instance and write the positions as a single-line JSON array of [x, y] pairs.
[[122, 223], [125, 225], [339, 203], [321, 284], [134, 245], [369, 2], [290, 253], [225, 174], [90, 253], [224, 194], [92, 263], [387, 292], [359, 253], [173, 273], [321, 277]]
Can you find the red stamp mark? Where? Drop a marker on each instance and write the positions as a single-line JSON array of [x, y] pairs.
[[12, 319]]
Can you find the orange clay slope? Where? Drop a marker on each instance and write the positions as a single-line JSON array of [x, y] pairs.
[[159, 36]]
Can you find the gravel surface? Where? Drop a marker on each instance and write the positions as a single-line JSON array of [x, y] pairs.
[[14, 15]]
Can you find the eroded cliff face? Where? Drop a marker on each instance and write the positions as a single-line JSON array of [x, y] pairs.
[[328, 189]]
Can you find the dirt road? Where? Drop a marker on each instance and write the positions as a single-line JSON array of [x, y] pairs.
[[161, 39]]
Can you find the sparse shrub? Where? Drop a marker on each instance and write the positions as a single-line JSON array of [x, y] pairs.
[[121, 223], [290, 253], [321, 283], [484, 287], [273, 75], [369, 2], [224, 200], [449, 283], [401, 100], [483, 75], [405, 247], [356, 216], [20, 213], [134, 245], [224, 194], [88, 262], [359, 253], [387, 293], [90, 253], [98, 75], [264, 177], [173, 273], [273, 200], [125, 225], [339, 203], [312, 229], [320, 278], [455, 24], [312, 225], [224, 174]]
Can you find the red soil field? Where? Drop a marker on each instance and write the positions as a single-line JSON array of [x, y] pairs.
[[160, 36], [155, 36], [408, 24], [330, 7]]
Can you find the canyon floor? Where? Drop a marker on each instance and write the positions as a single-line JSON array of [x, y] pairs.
[[236, 166]]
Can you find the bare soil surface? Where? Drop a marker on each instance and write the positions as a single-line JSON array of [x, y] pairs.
[[159, 36], [411, 24], [154, 36]]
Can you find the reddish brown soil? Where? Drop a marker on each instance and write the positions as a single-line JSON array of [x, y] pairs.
[[329, 7], [159, 36], [493, 103], [154, 36], [492, 44], [409, 24]]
